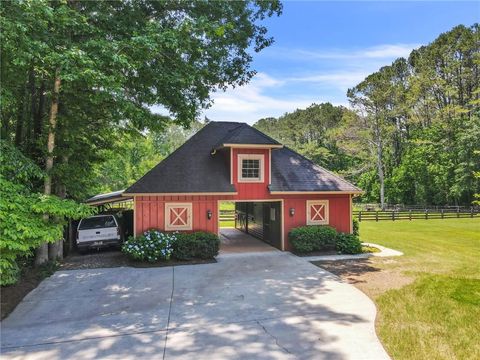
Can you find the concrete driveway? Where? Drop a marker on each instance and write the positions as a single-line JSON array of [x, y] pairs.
[[270, 305]]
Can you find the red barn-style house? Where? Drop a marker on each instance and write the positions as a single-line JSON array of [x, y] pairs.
[[274, 188]]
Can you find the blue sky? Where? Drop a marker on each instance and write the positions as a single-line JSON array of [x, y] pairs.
[[322, 48]]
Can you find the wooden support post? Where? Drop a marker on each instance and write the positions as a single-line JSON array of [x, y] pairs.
[[458, 212], [376, 215], [471, 211], [409, 214], [393, 215], [426, 214], [360, 216], [442, 214]]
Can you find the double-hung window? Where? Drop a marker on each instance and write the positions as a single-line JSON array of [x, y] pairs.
[[250, 167]]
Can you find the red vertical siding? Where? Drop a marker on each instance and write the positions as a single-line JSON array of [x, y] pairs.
[[149, 211], [339, 212], [252, 191]]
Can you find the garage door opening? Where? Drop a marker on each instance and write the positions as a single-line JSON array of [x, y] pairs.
[[247, 226]]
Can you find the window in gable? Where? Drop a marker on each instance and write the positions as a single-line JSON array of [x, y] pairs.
[[250, 168]]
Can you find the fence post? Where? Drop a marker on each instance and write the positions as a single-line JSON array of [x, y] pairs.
[[426, 214], [393, 215], [458, 212], [410, 215], [360, 216], [471, 211], [442, 214], [376, 215]]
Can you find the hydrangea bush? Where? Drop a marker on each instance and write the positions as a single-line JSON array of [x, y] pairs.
[[152, 246]]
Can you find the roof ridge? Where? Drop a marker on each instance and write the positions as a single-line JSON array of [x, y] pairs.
[[263, 134]]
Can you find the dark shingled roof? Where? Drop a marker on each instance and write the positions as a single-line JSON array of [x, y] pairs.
[[245, 134], [293, 172], [192, 168]]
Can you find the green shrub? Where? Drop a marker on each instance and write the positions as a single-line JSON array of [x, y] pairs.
[[356, 227], [348, 244], [305, 239], [152, 246], [202, 245]]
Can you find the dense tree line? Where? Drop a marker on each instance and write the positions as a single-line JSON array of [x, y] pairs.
[[78, 77], [413, 131]]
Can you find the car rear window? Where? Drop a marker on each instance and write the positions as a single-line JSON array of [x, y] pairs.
[[97, 222]]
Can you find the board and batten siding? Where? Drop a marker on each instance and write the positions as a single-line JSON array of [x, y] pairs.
[[150, 211]]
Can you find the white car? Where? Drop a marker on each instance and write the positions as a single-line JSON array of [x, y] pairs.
[[98, 231]]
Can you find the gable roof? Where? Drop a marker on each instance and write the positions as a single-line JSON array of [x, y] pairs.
[[193, 169]]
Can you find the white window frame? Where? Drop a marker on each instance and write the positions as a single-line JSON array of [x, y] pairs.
[[187, 225], [326, 219], [261, 171]]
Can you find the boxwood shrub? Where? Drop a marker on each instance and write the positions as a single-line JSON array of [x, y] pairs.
[[305, 239], [200, 245], [348, 244], [356, 227]]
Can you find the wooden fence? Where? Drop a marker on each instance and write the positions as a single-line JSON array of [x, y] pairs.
[[227, 215], [427, 214]]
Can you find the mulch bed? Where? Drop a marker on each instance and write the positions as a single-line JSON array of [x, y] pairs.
[[114, 258], [12, 295]]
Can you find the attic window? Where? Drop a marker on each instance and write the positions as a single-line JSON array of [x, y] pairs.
[[250, 167]]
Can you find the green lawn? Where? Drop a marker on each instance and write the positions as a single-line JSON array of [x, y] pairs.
[[437, 316]]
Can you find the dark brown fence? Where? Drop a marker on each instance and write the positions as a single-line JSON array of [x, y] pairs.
[[227, 215], [426, 214]]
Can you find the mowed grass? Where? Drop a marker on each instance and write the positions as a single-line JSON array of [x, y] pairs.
[[437, 316]]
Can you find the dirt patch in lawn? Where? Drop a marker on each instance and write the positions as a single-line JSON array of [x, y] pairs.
[[369, 275]]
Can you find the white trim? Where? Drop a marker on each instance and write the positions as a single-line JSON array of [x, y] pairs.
[[315, 192], [351, 215], [134, 218], [185, 194], [252, 146], [261, 172], [231, 166], [188, 225], [269, 166], [325, 220]]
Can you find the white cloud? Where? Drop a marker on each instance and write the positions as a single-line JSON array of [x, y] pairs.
[[249, 103], [385, 51], [303, 77]]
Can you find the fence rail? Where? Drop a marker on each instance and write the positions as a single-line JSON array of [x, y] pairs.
[[414, 215], [429, 214], [227, 215]]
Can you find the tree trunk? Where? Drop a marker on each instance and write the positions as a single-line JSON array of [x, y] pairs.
[[55, 250], [37, 121], [381, 177], [42, 251]]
